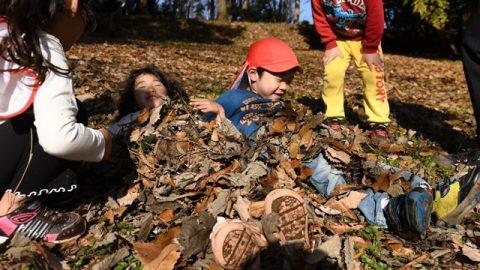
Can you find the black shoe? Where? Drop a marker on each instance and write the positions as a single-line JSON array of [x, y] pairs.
[[409, 215]]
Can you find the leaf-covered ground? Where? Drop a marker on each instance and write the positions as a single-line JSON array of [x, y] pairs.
[[130, 217]]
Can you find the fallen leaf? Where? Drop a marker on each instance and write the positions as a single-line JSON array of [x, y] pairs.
[[472, 253], [353, 199], [112, 213], [337, 156], [399, 250], [385, 179], [257, 209], [132, 194], [340, 206], [166, 216]]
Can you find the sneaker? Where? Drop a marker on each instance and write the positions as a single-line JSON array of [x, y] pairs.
[[455, 199], [293, 223], [335, 123], [409, 215], [379, 134], [37, 222], [471, 157], [235, 243]]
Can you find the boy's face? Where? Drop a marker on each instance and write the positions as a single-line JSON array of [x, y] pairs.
[[271, 85], [149, 91]]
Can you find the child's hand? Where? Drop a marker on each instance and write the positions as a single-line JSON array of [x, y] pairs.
[[206, 106], [124, 125], [331, 54], [372, 60]]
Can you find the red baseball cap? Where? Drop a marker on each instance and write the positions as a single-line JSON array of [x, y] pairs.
[[271, 54]]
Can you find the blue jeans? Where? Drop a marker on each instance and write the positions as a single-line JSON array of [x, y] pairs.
[[325, 179]]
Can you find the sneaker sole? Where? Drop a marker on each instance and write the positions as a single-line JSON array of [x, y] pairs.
[[233, 245], [293, 215], [471, 200]]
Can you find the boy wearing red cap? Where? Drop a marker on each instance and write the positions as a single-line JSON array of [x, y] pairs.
[[259, 87], [353, 29]]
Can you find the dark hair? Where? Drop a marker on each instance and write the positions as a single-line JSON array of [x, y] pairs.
[[127, 103], [25, 18]]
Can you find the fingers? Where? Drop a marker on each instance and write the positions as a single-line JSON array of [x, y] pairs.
[[327, 60], [379, 63]]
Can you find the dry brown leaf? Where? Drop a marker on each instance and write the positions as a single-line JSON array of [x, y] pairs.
[[257, 209], [156, 258], [340, 206], [472, 253], [338, 156], [343, 228], [112, 213], [399, 250], [132, 194], [166, 216], [353, 199], [278, 126], [294, 146], [385, 179]]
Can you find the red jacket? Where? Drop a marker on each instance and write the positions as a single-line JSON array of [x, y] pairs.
[[349, 19]]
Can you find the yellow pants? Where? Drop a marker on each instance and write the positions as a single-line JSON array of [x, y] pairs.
[[375, 94]]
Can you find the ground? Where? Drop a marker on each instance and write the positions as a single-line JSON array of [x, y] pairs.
[[430, 108]]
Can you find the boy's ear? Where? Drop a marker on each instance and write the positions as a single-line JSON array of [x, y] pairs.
[[252, 74], [72, 6]]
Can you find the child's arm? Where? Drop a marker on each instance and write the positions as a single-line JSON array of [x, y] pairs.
[[326, 34], [208, 106], [373, 34], [321, 25], [374, 26]]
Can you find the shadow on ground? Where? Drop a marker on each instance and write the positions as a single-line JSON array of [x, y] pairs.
[[430, 124], [168, 29]]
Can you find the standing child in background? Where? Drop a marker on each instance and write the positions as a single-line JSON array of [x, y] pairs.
[[353, 29]]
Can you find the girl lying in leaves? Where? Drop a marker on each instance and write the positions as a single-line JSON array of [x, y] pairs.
[[145, 88], [42, 126], [257, 92]]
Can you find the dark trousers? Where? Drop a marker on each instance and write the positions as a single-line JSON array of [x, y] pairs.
[[26, 169], [471, 62]]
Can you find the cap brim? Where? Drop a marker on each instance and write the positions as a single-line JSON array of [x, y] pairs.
[[282, 67]]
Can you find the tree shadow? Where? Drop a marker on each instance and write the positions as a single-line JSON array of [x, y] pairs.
[[167, 29], [430, 124], [432, 46]]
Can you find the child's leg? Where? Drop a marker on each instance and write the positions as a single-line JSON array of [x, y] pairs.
[[375, 99], [334, 76], [31, 171]]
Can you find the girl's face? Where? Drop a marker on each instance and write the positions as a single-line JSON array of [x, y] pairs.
[[271, 85], [148, 91]]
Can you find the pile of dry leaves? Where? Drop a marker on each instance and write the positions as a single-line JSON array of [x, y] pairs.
[[190, 172]]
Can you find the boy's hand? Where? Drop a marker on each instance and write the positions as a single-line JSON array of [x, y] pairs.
[[331, 54], [206, 106], [372, 60]]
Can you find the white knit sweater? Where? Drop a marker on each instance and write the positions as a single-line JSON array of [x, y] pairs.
[[55, 111]]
